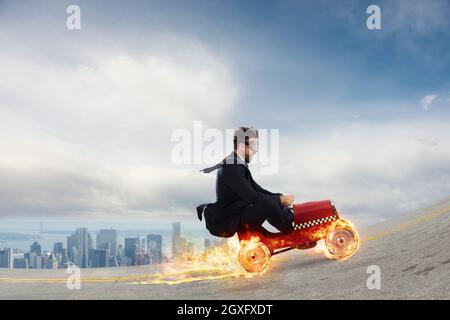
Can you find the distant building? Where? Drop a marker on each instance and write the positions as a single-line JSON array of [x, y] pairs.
[[154, 248], [108, 236], [83, 247], [78, 247], [143, 246], [36, 248], [90, 242], [32, 258], [51, 262], [138, 244], [210, 243], [103, 246], [6, 258], [131, 249], [20, 263], [113, 261], [64, 260], [100, 258], [72, 251], [37, 261], [177, 240], [176, 229], [120, 256], [26, 256], [57, 247]]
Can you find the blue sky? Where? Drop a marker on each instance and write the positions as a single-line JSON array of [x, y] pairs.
[[87, 115], [296, 49]]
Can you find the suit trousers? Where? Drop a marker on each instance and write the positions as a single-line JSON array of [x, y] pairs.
[[264, 209]]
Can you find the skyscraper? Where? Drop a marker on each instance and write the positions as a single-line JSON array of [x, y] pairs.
[[6, 259], [138, 244], [57, 247], [120, 256], [176, 229], [113, 261], [90, 242], [108, 236], [26, 256], [37, 261], [131, 249], [36, 248], [78, 247], [64, 259], [176, 238], [83, 247], [51, 262], [100, 258], [72, 248], [143, 246], [154, 248]]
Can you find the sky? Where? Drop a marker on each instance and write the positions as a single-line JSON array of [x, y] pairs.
[[86, 116]]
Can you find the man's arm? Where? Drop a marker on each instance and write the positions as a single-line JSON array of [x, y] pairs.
[[281, 199], [261, 189], [235, 177], [273, 195]]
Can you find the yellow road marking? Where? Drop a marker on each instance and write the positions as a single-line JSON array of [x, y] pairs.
[[115, 279], [416, 221]]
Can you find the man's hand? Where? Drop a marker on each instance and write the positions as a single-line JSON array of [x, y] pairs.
[[287, 200]]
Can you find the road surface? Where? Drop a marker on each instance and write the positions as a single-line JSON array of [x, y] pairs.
[[412, 253]]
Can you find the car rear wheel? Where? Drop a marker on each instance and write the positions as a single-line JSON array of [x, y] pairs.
[[254, 256]]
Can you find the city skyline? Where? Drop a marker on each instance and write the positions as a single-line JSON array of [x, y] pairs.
[[101, 248]]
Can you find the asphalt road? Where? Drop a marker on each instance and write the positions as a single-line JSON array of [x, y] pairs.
[[412, 253]]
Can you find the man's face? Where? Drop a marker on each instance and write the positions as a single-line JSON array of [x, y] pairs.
[[251, 149]]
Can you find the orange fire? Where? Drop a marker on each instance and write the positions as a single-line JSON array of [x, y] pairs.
[[215, 263]]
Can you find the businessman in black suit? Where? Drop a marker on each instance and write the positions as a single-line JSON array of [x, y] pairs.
[[241, 203]]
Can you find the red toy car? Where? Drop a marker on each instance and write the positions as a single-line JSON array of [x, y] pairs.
[[313, 221]]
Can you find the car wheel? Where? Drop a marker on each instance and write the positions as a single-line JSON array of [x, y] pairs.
[[342, 240], [254, 256]]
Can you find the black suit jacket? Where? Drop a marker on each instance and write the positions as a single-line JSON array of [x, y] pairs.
[[236, 190]]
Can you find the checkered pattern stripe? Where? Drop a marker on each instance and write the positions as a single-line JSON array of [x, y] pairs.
[[314, 222]]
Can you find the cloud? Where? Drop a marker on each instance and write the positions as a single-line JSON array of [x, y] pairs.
[[92, 136], [120, 89], [372, 171], [427, 101]]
